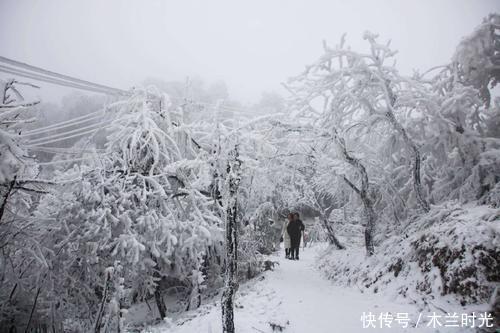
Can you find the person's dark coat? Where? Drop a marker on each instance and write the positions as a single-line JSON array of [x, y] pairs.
[[294, 229]]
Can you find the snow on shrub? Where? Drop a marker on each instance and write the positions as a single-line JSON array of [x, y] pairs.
[[137, 212], [449, 251]]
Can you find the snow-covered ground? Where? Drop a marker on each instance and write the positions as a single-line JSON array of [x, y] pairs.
[[295, 295]]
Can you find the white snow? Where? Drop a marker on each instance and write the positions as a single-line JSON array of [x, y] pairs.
[[295, 295]]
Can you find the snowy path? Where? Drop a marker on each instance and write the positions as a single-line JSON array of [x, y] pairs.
[[296, 292]]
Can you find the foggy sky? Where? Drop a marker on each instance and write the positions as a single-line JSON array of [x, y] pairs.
[[251, 45]]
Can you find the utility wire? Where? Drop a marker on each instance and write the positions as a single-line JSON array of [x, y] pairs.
[[69, 160], [37, 73], [65, 124], [41, 74], [80, 129], [103, 124], [67, 137], [48, 79], [65, 151], [64, 77], [97, 89]]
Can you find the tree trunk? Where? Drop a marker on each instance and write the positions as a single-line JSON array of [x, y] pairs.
[[32, 310], [194, 295], [160, 304], [415, 153], [100, 314], [331, 234], [370, 226], [6, 196], [231, 278], [370, 216], [412, 146]]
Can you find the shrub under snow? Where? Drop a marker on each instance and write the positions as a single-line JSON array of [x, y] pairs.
[[452, 250]]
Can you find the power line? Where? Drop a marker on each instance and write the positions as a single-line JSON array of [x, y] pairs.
[[100, 125], [65, 151], [97, 88], [63, 124], [80, 129], [61, 76], [67, 137], [74, 160], [48, 79], [40, 74]]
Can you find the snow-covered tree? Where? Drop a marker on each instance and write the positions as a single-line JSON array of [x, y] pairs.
[[476, 61], [362, 90], [138, 218], [22, 261]]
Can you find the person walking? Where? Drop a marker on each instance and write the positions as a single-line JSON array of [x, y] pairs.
[[295, 228], [286, 236]]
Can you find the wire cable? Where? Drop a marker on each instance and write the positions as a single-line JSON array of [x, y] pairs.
[[73, 160], [61, 125], [41, 74], [39, 77], [59, 82], [66, 137], [64, 77], [65, 151], [80, 129]]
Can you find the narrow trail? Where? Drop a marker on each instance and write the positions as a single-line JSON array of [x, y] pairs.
[[296, 296]]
